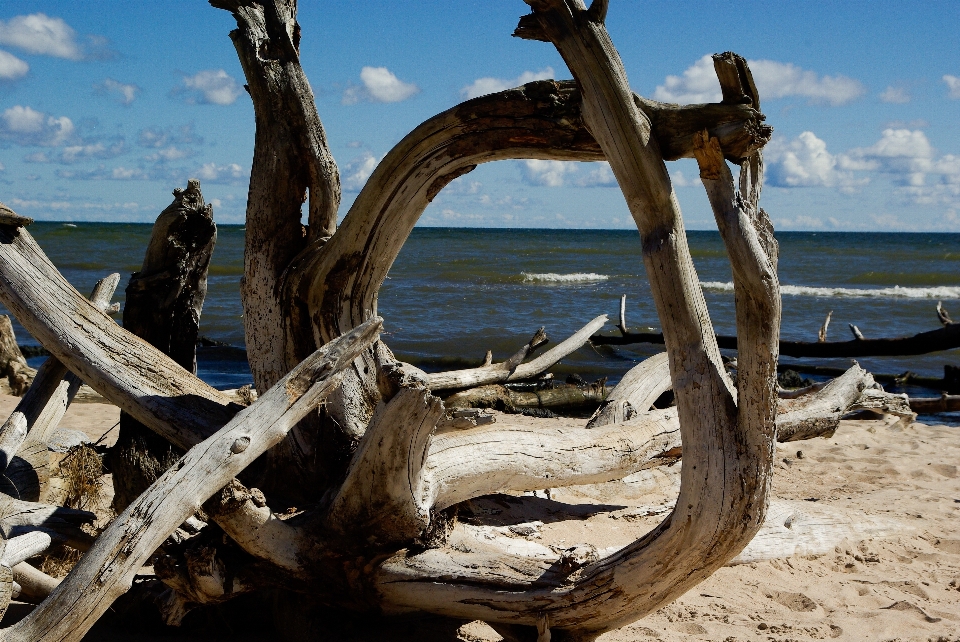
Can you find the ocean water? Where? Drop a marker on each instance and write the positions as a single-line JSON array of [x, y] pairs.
[[453, 294]]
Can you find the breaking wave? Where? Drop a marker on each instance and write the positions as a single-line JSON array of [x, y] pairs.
[[895, 292], [552, 277]]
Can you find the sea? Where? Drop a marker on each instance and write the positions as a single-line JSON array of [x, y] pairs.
[[455, 293]]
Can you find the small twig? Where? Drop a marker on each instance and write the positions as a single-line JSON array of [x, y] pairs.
[[822, 335], [623, 315], [856, 332], [943, 315]]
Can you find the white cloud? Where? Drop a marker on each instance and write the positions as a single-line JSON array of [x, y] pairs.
[[126, 93], [484, 86], [156, 137], [12, 67], [904, 156], [169, 154], [554, 173], [897, 95], [211, 86], [38, 33], [26, 126], [601, 176], [358, 171], [379, 85], [679, 179], [213, 173], [805, 162], [699, 84], [76, 153], [953, 86], [2, 167], [800, 222], [549, 173]]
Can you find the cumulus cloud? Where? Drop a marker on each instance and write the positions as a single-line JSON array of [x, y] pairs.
[[484, 86], [125, 93], [170, 153], [103, 173], [553, 173], [897, 95], [699, 84], [379, 85], [549, 173], [76, 153], [38, 33], [155, 137], [27, 126], [904, 156], [953, 86], [909, 160], [805, 162], [357, 171], [12, 67], [210, 87], [214, 173]]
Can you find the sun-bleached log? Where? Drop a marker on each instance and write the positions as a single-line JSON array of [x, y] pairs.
[[729, 448], [818, 414], [512, 369], [381, 500], [245, 517], [126, 370], [463, 464], [553, 397], [636, 392], [34, 584], [107, 570], [39, 412]]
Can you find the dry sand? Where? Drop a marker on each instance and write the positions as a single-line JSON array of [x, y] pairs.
[[904, 586]]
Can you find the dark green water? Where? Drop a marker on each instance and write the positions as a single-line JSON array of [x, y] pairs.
[[455, 293]]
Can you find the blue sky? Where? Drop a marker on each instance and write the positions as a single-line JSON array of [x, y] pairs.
[[105, 107]]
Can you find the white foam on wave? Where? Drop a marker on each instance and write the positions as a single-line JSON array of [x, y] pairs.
[[896, 292], [552, 277]]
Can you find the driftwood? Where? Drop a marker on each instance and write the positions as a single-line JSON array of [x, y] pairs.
[[38, 414], [943, 403], [13, 365], [368, 462], [513, 369], [504, 398], [163, 305], [636, 392], [945, 338]]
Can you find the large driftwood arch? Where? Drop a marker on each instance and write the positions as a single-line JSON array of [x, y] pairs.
[[374, 476]]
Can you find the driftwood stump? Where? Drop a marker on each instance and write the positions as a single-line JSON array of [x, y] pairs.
[[163, 305]]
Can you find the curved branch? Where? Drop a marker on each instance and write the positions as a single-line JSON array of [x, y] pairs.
[[636, 392], [338, 280]]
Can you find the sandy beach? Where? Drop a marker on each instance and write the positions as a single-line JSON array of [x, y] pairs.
[[876, 476]]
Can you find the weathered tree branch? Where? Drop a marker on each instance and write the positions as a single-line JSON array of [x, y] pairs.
[[513, 369], [292, 164], [722, 495], [126, 370], [636, 392], [107, 570]]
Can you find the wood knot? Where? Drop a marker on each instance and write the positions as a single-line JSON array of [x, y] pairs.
[[258, 498], [239, 445]]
